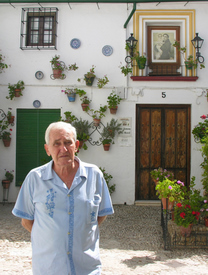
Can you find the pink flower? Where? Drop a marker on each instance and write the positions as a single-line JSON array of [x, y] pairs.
[[170, 187], [203, 116], [205, 201]]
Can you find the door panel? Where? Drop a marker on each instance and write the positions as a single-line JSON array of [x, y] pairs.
[[162, 140]]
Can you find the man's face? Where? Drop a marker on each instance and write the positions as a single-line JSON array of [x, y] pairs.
[[165, 37], [61, 147]]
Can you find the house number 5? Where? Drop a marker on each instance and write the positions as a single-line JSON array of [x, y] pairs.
[[163, 94]]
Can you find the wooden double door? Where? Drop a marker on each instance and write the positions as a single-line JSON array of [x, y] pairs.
[[162, 140]]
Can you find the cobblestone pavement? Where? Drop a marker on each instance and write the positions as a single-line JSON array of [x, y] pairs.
[[131, 243]]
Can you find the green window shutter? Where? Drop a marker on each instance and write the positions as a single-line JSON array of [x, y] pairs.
[[31, 126]]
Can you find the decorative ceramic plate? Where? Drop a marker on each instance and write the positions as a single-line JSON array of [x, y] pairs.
[[39, 75], [107, 50], [36, 103], [75, 43]]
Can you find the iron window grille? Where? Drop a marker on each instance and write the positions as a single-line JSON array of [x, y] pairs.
[[39, 28]]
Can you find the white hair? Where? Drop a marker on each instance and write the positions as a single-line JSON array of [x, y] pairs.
[[60, 125]]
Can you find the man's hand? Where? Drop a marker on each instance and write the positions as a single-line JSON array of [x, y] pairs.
[[27, 224]]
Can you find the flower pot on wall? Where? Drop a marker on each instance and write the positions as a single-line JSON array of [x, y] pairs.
[[57, 74], [89, 80], [11, 120], [6, 142], [106, 147], [71, 97], [96, 122], [5, 184], [141, 65], [113, 111], [85, 106], [17, 92]]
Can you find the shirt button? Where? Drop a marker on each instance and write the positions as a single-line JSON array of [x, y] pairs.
[[69, 213], [68, 253], [69, 233], [68, 195]]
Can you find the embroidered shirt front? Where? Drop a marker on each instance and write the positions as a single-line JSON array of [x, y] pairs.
[[65, 233]]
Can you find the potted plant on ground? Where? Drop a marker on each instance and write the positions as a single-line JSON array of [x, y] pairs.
[[160, 174], [204, 210], [59, 66], [16, 89], [97, 114], [171, 190], [8, 179], [113, 102], [140, 59], [109, 132]]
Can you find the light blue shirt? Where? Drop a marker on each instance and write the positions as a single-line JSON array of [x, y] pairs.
[[65, 233]]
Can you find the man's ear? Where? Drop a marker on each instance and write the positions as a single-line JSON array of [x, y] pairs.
[[76, 145], [47, 150]]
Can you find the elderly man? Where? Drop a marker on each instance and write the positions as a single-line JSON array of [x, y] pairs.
[[62, 203]]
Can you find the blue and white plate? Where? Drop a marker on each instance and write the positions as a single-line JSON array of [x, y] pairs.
[[36, 103], [107, 50], [75, 43]]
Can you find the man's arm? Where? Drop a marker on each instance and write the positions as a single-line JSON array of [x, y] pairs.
[[27, 224], [101, 219]]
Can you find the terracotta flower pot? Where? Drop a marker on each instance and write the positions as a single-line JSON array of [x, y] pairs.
[[17, 92], [186, 231], [6, 142], [11, 120], [206, 222], [5, 184], [57, 74], [106, 147], [170, 204], [113, 111], [85, 106], [96, 122]]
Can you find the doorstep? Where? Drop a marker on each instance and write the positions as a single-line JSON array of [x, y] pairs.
[[148, 203]]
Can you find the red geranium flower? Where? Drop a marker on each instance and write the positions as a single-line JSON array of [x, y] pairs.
[[203, 116], [182, 215], [179, 204]]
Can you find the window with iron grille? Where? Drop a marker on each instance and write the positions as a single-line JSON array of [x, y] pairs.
[[39, 28]]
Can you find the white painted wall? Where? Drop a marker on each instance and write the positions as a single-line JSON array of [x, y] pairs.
[[95, 27]]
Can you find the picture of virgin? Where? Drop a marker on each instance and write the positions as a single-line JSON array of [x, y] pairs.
[[162, 46]]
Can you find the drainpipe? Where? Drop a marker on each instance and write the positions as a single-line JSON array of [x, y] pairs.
[[130, 16]]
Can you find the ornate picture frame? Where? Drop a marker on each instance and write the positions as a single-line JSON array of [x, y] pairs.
[[163, 58]]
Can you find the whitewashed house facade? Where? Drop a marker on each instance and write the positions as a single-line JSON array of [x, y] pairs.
[[160, 109]]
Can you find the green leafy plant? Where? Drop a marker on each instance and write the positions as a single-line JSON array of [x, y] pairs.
[[184, 214], [113, 100], [102, 82], [60, 66], [140, 59], [6, 135], [9, 175], [3, 65], [171, 189], [200, 131], [82, 127], [204, 208], [85, 100], [80, 92], [190, 61], [69, 117], [98, 114], [108, 177], [68, 91], [161, 174], [109, 132], [20, 85], [127, 69]]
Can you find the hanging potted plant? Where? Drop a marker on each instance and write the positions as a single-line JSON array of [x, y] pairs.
[[102, 81], [109, 132], [127, 69], [6, 137], [10, 117], [190, 62], [97, 114], [140, 59], [82, 127], [69, 117], [71, 94], [200, 130], [16, 89], [113, 102], [2, 64], [89, 76], [85, 103], [59, 67], [8, 179]]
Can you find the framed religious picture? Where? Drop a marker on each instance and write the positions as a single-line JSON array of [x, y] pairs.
[[163, 58]]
